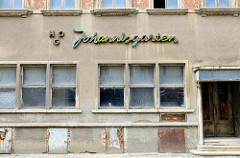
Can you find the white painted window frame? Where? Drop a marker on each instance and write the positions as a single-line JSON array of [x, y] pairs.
[[77, 4], [99, 4], [24, 2], [180, 4], [232, 3]]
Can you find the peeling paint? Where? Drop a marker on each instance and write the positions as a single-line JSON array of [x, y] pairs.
[[57, 140], [114, 140], [5, 140]]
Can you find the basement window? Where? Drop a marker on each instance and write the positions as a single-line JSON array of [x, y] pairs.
[[169, 4], [11, 4]]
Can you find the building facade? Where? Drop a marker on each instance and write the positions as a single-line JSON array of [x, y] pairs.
[[116, 76]]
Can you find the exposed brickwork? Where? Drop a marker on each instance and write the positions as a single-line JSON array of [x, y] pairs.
[[192, 4], [87, 4], [173, 117], [36, 4], [141, 4]]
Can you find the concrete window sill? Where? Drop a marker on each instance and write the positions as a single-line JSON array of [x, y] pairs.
[[15, 12], [2, 111], [114, 12], [218, 11], [61, 12], [102, 111], [167, 11]]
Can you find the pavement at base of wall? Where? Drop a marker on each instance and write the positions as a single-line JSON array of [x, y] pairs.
[[143, 155]]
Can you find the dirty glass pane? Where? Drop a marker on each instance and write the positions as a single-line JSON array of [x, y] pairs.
[[33, 97], [107, 3], [223, 3], [64, 97], [64, 75], [219, 74], [69, 4], [7, 76], [143, 97], [171, 75], [7, 98], [56, 4], [120, 4], [141, 75], [210, 3], [5, 4], [111, 97], [112, 75], [34, 75], [17, 4], [171, 97], [172, 4]]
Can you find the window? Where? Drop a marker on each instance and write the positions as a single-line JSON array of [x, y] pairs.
[[170, 4], [139, 86], [217, 3], [40, 86], [10, 4], [113, 3], [62, 4]]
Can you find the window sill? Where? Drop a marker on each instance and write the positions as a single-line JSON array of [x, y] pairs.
[[127, 111], [44, 111], [218, 11], [114, 12], [15, 12], [167, 11], [61, 12]]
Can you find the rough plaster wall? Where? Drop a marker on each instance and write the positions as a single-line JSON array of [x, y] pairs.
[[84, 140], [140, 4], [87, 4], [36, 4], [191, 138], [140, 140], [30, 140]]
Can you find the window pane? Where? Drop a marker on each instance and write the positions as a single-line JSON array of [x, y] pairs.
[[171, 75], [219, 74], [5, 4], [112, 75], [63, 97], [172, 4], [210, 3], [7, 76], [69, 4], [143, 97], [32, 97], [64, 75], [120, 3], [17, 4], [107, 4], [223, 3], [111, 97], [56, 4], [140, 75], [34, 75], [171, 97], [7, 98]]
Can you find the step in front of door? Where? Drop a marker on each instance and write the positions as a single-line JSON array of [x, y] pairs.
[[218, 147]]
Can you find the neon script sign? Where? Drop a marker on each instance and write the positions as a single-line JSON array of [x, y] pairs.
[[122, 39]]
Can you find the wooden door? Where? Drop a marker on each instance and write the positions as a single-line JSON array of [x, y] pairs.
[[217, 109]]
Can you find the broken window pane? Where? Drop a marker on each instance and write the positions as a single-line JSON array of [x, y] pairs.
[[141, 75], [210, 3], [56, 4], [107, 3], [63, 97], [69, 4], [111, 97], [17, 4], [171, 75], [7, 76], [120, 3], [5, 4], [64, 75], [143, 97], [111, 75], [171, 97], [172, 4], [33, 97], [7, 98], [223, 3], [34, 75]]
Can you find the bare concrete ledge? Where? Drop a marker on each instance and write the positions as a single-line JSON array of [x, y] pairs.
[[167, 11], [61, 12], [102, 111], [215, 153], [114, 12], [162, 124], [218, 11], [40, 111], [15, 12]]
